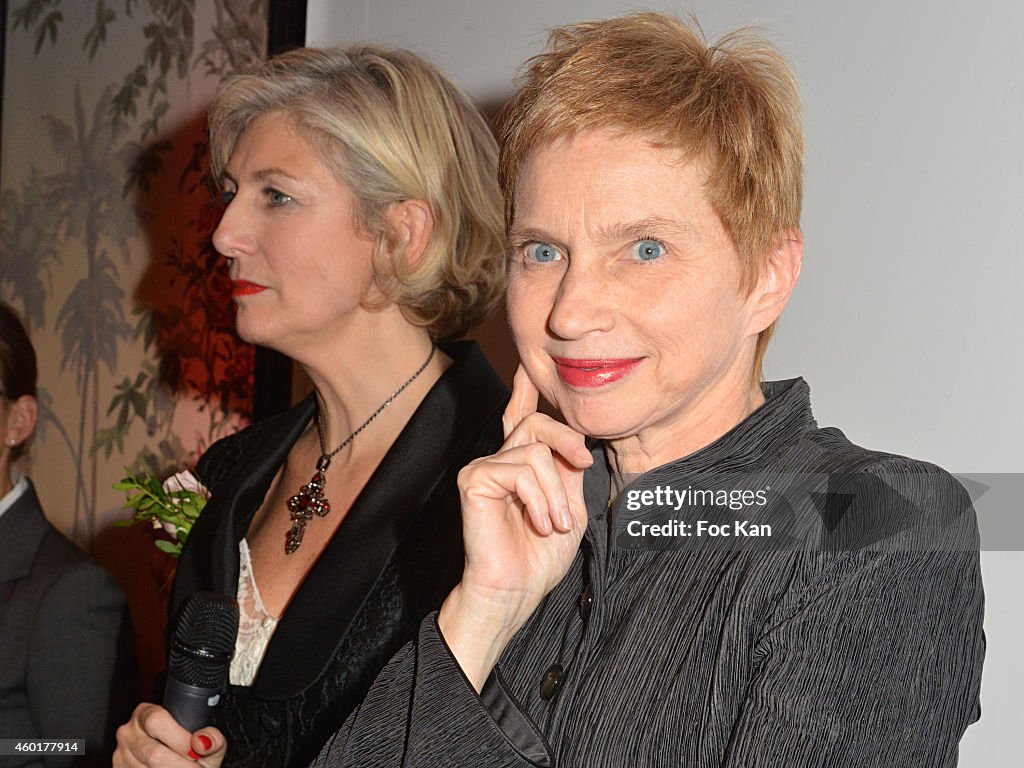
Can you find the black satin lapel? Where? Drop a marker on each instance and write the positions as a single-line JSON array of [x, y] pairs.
[[213, 557], [323, 608]]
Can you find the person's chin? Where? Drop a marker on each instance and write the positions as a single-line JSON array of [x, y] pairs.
[[599, 418], [251, 330]]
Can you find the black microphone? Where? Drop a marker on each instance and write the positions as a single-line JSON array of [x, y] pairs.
[[197, 664]]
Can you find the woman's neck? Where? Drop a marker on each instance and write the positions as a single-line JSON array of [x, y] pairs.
[[355, 375], [705, 422]]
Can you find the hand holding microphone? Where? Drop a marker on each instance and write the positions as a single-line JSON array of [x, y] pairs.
[[197, 668]]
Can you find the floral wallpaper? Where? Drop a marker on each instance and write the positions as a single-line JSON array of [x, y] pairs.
[[105, 225]]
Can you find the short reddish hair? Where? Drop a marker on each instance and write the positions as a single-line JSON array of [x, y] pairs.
[[734, 104]]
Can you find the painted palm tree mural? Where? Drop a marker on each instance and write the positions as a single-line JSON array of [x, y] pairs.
[[142, 314], [30, 253], [86, 196], [28, 231]]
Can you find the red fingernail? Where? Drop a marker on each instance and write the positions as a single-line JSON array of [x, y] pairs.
[[206, 741], [192, 754]]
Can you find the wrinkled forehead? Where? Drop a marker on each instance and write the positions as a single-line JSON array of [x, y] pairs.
[[598, 192], [601, 172]]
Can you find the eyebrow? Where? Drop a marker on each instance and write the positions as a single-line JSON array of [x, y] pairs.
[[260, 176], [518, 236], [636, 230], [265, 173], [619, 231]]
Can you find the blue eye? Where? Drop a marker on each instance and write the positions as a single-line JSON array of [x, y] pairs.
[[226, 196], [648, 250], [276, 197], [542, 253]]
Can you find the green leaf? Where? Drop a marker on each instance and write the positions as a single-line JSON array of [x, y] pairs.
[[171, 549]]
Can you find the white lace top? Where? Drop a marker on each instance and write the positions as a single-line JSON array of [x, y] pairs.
[[255, 625]]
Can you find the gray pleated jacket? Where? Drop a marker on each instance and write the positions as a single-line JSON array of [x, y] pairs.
[[848, 634]]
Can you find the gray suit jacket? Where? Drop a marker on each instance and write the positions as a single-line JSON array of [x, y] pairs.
[[62, 620]]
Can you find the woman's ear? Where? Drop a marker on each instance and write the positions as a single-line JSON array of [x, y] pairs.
[[777, 280], [412, 223], [21, 420]]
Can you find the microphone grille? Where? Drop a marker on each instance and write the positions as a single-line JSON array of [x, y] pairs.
[[204, 640]]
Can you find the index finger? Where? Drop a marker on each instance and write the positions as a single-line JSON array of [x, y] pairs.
[[524, 401]]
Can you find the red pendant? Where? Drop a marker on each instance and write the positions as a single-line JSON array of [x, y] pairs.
[[303, 505]]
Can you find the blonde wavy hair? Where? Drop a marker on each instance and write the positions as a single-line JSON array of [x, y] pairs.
[[390, 127]]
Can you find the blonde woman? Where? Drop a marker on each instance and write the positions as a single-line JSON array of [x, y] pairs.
[[362, 227]]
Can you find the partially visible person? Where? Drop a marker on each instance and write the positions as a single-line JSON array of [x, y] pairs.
[[363, 232], [63, 620], [653, 188]]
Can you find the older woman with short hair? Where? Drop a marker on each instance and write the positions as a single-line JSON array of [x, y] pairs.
[[362, 228], [715, 580]]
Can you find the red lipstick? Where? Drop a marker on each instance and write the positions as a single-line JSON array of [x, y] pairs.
[[245, 288], [593, 373]]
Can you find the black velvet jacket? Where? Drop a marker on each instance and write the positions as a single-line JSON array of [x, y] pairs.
[[394, 559]]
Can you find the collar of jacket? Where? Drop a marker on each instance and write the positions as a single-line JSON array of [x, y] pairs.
[[467, 395], [22, 528]]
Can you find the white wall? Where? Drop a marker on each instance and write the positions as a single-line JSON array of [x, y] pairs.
[[907, 322]]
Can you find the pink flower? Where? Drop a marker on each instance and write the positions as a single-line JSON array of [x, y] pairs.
[[185, 481], [170, 528]]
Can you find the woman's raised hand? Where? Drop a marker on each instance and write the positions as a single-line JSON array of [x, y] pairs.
[[153, 739], [523, 516]]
